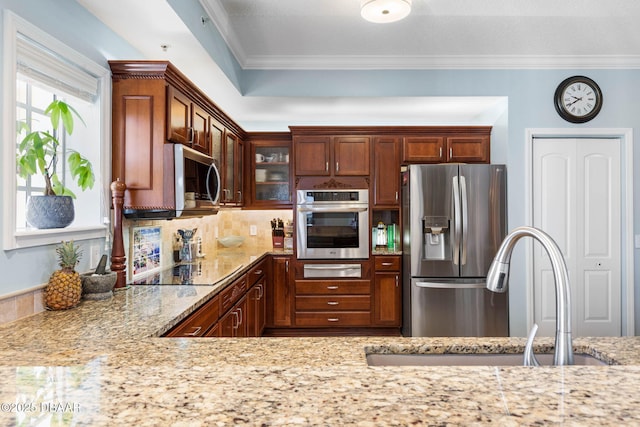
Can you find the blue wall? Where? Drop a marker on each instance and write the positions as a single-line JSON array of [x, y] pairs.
[[75, 26]]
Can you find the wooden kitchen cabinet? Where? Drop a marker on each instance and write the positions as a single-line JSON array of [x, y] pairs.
[[153, 107], [423, 149], [386, 171], [269, 171], [256, 299], [470, 145], [234, 323], [232, 191], [351, 155], [468, 149], [312, 155], [187, 123], [332, 303], [199, 322], [280, 293], [331, 155], [387, 291]]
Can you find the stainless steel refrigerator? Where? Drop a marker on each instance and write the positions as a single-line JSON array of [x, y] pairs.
[[454, 219]]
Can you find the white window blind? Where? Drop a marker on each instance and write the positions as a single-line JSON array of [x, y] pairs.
[[41, 64]]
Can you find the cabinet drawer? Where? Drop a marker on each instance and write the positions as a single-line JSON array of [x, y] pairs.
[[335, 318], [199, 321], [387, 263], [257, 272], [338, 302], [336, 287], [232, 293]]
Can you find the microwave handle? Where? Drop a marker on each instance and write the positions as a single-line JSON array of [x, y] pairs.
[[330, 209], [214, 200]]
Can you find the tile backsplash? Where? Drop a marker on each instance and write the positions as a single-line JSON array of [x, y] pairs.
[[228, 222]]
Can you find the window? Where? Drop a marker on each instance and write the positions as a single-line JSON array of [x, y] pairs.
[[37, 69]]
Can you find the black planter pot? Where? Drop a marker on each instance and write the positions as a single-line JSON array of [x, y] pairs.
[[50, 211]]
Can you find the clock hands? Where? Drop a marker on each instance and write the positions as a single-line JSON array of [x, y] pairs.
[[576, 100]]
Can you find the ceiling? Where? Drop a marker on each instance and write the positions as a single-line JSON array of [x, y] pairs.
[[316, 34], [330, 34]]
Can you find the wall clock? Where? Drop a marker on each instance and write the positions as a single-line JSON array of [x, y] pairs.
[[578, 99]]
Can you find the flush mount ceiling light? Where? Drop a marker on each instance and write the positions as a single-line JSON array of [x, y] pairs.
[[383, 11]]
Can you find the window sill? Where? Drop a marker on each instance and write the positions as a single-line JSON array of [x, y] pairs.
[[31, 238]]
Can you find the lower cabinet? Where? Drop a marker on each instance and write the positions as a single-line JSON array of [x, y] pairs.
[[332, 303], [234, 312], [256, 309], [280, 295], [234, 323], [387, 290], [268, 296], [199, 322]]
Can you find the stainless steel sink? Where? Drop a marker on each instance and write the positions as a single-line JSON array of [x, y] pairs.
[[476, 359]]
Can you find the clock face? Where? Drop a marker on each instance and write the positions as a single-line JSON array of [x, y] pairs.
[[578, 99]]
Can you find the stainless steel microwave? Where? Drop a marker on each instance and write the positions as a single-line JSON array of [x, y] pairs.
[[196, 186]]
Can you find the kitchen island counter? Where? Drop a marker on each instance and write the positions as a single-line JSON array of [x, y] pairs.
[[102, 363]]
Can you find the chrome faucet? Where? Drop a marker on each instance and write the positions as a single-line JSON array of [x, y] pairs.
[[498, 278]]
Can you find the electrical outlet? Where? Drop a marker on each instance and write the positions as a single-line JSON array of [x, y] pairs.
[[95, 254], [253, 230]]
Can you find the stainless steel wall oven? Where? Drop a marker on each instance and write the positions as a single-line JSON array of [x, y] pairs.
[[332, 224]]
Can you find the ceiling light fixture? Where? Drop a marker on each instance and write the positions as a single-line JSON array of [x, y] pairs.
[[384, 11]]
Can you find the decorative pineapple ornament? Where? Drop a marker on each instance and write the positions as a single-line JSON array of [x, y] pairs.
[[64, 289]]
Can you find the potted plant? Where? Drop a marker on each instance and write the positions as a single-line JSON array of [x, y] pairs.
[[38, 153]]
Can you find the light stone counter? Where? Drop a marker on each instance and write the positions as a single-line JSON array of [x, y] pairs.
[[102, 363]]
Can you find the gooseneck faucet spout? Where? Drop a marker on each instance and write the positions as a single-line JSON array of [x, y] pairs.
[[498, 278]]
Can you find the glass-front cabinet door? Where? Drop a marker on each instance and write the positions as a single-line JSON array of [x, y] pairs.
[[271, 173]]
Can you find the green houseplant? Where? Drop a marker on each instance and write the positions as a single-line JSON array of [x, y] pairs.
[[38, 153]]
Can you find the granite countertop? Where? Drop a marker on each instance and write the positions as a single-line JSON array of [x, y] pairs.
[[103, 363]]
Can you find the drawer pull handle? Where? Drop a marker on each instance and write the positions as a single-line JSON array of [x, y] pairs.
[[257, 272], [387, 264], [333, 319], [194, 333], [334, 287], [333, 303]]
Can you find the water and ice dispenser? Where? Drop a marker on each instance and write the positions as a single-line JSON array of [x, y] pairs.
[[435, 238]]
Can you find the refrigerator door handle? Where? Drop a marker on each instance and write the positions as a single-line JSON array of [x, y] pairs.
[[457, 223], [465, 220], [444, 285]]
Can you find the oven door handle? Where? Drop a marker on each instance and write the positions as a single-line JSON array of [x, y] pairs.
[[332, 267], [331, 209]]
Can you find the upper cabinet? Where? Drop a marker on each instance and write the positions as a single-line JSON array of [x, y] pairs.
[[232, 192], [188, 123], [386, 171], [324, 155], [468, 144], [268, 181], [154, 107]]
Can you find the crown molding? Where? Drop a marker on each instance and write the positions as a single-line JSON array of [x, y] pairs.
[[439, 62]]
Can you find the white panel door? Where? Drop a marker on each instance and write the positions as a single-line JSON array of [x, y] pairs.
[[576, 199]]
